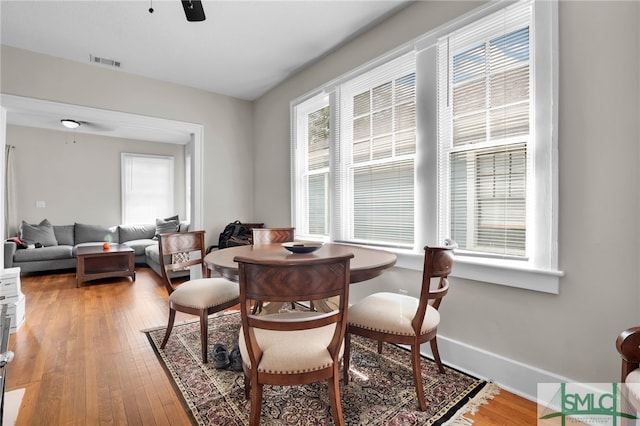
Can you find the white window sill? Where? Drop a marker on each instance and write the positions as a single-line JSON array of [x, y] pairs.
[[491, 271]]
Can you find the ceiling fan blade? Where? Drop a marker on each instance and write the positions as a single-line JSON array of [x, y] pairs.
[[100, 127], [193, 10]]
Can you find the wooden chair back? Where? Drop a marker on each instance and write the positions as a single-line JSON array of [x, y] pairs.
[[628, 345], [438, 262], [311, 279], [272, 235], [172, 248]]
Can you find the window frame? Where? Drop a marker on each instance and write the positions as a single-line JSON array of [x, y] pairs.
[[346, 167], [540, 271], [125, 157], [299, 156]]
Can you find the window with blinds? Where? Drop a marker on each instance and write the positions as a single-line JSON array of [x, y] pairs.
[[485, 85], [311, 162], [147, 187], [378, 147], [318, 171], [438, 140]]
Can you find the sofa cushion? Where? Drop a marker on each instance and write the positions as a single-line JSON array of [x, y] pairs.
[[42, 233], [44, 253], [153, 253], [95, 233], [64, 234], [136, 232], [139, 246], [167, 225]]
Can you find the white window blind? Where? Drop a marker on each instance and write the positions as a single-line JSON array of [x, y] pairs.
[[377, 147], [485, 81], [312, 160], [147, 187]]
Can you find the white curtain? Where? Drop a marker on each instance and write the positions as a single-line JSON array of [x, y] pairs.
[[10, 202]]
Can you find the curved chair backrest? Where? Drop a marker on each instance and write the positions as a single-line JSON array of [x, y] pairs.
[[309, 279], [172, 248], [438, 262], [272, 235], [628, 345]]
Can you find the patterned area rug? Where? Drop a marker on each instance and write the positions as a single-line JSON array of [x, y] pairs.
[[381, 391]]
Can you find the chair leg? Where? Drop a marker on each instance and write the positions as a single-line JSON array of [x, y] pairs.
[[417, 375], [334, 398], [436, 355], [256, 404], [247, 386], [204, 334], [172, 318], [345, 357], [379, 346]]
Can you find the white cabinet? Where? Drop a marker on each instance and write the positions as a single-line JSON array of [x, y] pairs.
[[12, 296]]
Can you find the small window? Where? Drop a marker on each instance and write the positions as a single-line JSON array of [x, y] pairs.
[[147, 187]]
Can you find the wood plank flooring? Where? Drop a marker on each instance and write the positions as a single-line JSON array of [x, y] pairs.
[[83, 360]]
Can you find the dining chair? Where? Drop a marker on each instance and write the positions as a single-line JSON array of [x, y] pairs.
[[404, 319], [294, 347], [273, 235], [270, 236], [201, 296], [628, 345]]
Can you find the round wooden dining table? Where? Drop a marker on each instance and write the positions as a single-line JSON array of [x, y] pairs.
[[366, 264]]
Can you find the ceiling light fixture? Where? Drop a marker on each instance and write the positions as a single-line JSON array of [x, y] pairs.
[[70, 124]]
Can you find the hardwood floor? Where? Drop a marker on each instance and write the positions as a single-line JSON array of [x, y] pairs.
[[83, 360]]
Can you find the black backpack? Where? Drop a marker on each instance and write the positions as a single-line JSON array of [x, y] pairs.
[[235, 234]]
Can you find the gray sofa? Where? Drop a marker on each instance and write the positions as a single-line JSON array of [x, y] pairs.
[[57, 245]]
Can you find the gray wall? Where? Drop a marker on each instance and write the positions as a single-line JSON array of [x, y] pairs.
[[227, 181], [78, 175], [571, 334]]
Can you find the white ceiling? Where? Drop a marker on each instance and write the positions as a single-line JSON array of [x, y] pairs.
[[243, 48]]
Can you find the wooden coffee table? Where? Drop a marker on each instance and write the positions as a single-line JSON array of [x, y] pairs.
[[95, 262]]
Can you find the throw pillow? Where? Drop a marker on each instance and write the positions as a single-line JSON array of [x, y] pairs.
[[167, 225], [95, 233], [64, 234], [42, 233]]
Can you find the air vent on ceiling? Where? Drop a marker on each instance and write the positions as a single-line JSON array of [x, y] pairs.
[[104, 61]]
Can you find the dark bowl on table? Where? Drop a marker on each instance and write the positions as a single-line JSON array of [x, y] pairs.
[[301, 247]]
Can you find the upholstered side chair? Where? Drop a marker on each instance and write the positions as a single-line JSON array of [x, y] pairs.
[[270, 236], [403, 319], [294, 347], [202, 296], [628, 345]]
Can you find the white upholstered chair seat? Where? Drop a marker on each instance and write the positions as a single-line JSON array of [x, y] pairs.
[[633, 386], [282, 351], [391, 313], [194, 293]]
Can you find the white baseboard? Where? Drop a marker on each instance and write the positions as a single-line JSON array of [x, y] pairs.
[[513, 376]]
